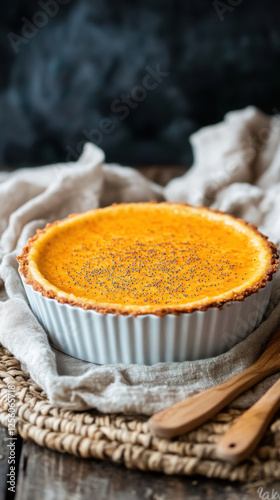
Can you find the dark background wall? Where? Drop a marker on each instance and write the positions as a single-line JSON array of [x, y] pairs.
[[67, 65]]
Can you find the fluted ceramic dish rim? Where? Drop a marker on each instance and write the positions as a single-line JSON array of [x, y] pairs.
[[146, 339]]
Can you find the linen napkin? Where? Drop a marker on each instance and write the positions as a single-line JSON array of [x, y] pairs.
[[236, 169]]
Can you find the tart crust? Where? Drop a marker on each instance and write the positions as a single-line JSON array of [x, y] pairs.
[[47, 290]]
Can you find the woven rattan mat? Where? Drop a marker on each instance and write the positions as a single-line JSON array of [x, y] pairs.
[[126, 439]]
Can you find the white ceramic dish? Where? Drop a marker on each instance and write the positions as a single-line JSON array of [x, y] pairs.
[[148, 339]]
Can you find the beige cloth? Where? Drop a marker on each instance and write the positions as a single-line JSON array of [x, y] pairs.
[[236, 168]]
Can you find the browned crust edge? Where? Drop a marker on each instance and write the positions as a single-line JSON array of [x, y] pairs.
[[270, 271]]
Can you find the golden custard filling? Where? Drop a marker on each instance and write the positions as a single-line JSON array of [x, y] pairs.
[[148, 257]]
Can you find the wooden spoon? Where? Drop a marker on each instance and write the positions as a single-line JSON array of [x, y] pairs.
[[195, 410], [245, 434]]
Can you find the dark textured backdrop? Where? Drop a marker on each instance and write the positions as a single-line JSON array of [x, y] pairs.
[[66, 68]]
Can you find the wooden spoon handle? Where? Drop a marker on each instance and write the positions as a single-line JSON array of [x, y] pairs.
[[194, 411], [245, 434]]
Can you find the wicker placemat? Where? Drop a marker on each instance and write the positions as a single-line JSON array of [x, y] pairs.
[[126, 439]]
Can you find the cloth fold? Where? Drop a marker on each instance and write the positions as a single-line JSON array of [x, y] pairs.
[[236, 169]]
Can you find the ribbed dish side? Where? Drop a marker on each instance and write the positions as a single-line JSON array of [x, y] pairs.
[[148, 339]]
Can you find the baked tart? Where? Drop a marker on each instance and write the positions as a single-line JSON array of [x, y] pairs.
[[155, 259]]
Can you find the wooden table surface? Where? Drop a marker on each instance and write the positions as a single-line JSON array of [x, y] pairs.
[[46, 475]]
